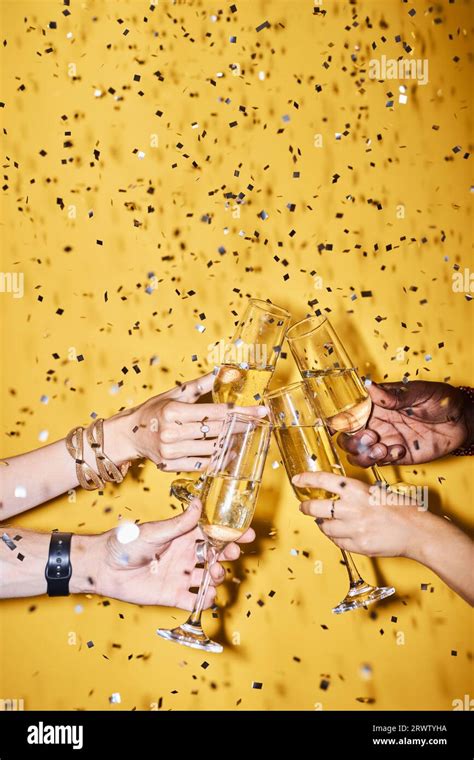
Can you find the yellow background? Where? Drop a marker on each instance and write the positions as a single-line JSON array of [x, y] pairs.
[[390, 156]]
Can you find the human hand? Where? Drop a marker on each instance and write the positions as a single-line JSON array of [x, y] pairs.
[[171, 429], [411, 423], [362, 522], [157, 567]]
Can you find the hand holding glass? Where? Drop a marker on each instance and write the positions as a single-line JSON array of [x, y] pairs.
[[248, 364], [325, 364], [228, 495], [305, 446]]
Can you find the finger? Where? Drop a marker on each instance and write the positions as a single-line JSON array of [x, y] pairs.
[[322, 508], [247, 537], [329, 481], [176, 411], [171, 451], [394, 453], [192, 390], [382, 454], [346, 544], [395, 396], [231, 552], [194, 578], [374, 455], [189, 431], [210, 597], [188, 599], [217, 576], [334, 529], [185, 464], [165, 530], [358, 443]]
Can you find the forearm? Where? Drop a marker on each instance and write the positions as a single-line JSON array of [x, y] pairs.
[[447, 551], [38, 476], [22, 567]]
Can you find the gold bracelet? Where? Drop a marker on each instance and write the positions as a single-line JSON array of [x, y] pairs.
[[86, 476], [108, 470]]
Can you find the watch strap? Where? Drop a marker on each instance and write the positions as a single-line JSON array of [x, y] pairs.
[[58, 569]]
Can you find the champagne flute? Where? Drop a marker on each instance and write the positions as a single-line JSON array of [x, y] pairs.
[[248, 364], [229, 495], [343, 398], [305, 446]]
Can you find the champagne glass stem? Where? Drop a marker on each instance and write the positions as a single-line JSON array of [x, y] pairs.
[[195, 616], [355, 578], [378, 475]]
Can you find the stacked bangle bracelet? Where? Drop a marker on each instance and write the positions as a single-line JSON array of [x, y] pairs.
[[108, 471]]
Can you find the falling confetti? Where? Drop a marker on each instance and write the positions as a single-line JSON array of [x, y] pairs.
[[163, 163]]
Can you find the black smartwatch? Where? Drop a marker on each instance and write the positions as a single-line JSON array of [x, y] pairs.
[[58, 567]]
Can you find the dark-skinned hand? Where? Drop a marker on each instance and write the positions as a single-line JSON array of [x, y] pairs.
[[411, 423]]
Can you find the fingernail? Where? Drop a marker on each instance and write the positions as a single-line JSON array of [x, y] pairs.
[[262, 411], [366, 438], [296, 479], [376, 452], [397, 452]]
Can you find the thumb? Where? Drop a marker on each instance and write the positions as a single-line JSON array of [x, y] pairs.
[[166, 530], [394, 396], [191, 391]]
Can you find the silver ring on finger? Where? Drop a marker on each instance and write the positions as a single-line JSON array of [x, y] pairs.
[[204, 429], [201, 551]]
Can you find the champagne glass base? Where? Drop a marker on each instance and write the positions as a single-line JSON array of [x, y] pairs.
[[362, 595], [190, 636]]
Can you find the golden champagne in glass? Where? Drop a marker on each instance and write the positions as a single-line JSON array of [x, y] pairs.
[[228, 494], [246, 367], [242, 385], [305, 446], [323, 361]]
